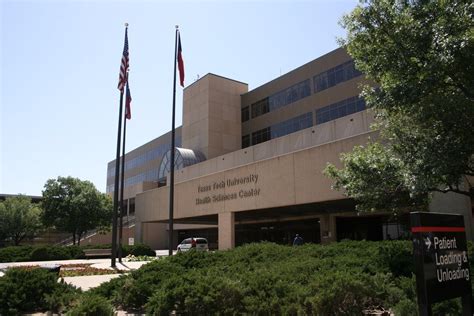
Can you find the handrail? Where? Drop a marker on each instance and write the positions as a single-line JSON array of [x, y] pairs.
[[128, 221]]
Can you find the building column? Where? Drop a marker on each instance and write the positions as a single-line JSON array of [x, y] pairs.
[[138, 236], [327, 228], [226, 230]]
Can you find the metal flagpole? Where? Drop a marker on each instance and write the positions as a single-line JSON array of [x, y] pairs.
[[170, 236], [121, 190], [116, 187], [124, 64]]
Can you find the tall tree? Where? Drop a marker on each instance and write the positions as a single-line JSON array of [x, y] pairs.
[[19, 219], [420, 56], [75, 206]]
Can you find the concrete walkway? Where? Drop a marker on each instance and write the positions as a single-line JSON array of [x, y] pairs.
[[90, 281]]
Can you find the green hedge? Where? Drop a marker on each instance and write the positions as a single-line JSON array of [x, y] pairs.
[[50, 252], [33, 290], [343, 278]]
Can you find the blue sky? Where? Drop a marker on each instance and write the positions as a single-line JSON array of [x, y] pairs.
[[60, 63]]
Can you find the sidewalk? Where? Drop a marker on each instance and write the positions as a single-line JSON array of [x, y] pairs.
[[90, 281]]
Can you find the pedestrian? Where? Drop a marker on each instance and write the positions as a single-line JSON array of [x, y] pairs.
[[298, 241]]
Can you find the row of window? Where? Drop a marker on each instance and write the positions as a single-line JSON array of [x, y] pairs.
[[292, 94], [325, 114], [155, 153], [335, 75], [322, 81], [281, 129], [280, 99], [339, 109]]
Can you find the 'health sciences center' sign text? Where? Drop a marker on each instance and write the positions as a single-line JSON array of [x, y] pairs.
[[238, 187]]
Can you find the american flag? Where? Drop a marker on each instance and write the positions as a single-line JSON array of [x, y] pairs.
[[124, 65]]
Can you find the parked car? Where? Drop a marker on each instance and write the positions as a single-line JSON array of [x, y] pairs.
[[197, 243]]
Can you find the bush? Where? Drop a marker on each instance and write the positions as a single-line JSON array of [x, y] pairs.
[[138, 250], [31, 290], [44, 253], [92, 305], [61, 297], [75, 252], [15, 253], [195, 294], [343, 278], [397, 256], [40, 253]]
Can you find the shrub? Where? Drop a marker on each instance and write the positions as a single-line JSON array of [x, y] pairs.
[[30, 290], [138, 250], [397, 256], [196, 294], [61, 297], [40, 253], [92, 305], [339, 279], [44, 253], [75, 252], [15, 253], [109, 290]]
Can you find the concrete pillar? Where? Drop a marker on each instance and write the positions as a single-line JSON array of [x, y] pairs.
[[226, 231], [454, 203], [327, 226], [138, 232]]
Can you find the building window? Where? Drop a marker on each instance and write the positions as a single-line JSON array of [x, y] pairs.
[[282, 98], [292, 94], [335, 75], [292, 125], [245, 114], [339, 109], [245, 141], [260, 108], [261, 136]]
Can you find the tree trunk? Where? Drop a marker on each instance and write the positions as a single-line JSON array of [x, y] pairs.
[[74, 238], [79, 235]]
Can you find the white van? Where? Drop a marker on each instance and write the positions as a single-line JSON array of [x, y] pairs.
[[197, 243]]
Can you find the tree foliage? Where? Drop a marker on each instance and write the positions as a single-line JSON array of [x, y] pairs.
[[374, 178], [19, 219], [419, 54], [75, 206]]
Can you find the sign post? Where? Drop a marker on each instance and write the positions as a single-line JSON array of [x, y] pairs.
[[441, 260]]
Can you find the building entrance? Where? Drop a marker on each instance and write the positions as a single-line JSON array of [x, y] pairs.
[[282, 232]]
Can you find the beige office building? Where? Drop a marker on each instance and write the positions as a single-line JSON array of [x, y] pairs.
[[250, 163]]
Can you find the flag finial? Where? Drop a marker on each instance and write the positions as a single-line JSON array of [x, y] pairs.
[[177, 26], [126, 24]]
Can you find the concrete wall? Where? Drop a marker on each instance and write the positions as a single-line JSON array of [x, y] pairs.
[[288, 179], [211, 115]]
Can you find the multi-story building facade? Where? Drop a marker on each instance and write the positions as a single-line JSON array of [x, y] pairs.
[[250, 163]]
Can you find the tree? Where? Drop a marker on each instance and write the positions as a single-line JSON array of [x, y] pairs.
[[19, 219], [420, 56], [75, 206]]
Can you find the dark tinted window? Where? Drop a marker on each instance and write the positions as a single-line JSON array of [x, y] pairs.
[[339, 109], [261, 136], [245, 114], [245, 141], [292, 125], [260, 108], [335, 75], [201, 241], [290, 95]]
